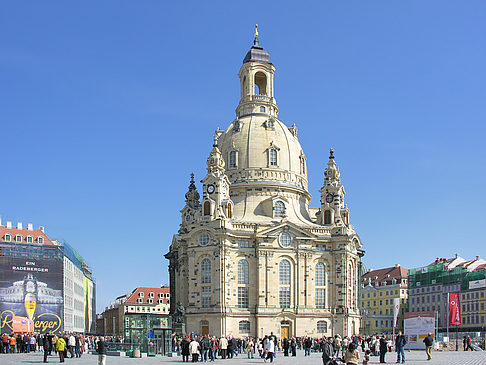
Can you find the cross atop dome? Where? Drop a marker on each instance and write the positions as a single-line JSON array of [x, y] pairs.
[[257, 53]]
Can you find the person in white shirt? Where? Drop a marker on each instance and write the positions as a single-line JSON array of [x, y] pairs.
[[194, 350], [71, 344], [269, 349]]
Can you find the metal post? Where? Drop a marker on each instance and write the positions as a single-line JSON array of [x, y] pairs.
[[457, 335], [448, 315]]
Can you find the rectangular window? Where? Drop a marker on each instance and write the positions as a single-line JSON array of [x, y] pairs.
[[205, 296], [272, 157], [243, 243], [284, 297], [243, 301], [232, 159], [321, 298], [321, 247]]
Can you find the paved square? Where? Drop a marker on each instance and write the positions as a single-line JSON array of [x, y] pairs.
[[413, 357]]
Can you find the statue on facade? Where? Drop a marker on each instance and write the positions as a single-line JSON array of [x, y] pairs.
[[180, 313]]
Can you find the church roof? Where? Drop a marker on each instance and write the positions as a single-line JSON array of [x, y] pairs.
[[257, 54]]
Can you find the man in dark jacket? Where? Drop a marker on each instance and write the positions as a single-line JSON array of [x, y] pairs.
[[328, 351], [383, 349], [285, 346], [46, 344], [101, 350], [400, 343], [429, 340]]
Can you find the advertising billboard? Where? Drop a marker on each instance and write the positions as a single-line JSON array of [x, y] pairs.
[[31, 292], [417, 326]]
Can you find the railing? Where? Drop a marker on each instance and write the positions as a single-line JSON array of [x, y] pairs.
[[261, 98]]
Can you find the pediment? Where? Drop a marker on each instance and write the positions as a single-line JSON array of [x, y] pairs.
[[286, 226]]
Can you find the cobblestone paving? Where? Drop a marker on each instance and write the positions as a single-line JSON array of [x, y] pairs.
[[413, 357]]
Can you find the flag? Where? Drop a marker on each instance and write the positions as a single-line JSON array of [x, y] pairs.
[[396, 309], [454, 310]]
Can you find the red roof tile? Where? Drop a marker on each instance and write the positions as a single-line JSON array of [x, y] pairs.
[[132, 299], [24, 232], [387, 274]]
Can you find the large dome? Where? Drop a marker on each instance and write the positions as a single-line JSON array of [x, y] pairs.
[[261, 150]]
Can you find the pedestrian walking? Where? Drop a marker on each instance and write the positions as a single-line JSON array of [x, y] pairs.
[[101, 350], [328, 351], [429, 341], [383, 349]]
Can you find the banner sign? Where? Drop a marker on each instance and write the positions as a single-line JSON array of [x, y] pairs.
[[417, 325], [476, 284], [454, 310], [396, 310], [31, 297]]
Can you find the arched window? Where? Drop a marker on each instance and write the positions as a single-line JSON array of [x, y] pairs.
[[350, 283], [40, 240], [243, 281], [232, 160], [8, 238], [207, 208], [230, 210], [320, 274], [322, 327], [320, 284], [284, 281], [327, 216], [244, 327], [262, 109], [278, 209], [260, 83], [272, 157], [243, 272], [18, 238], [206, 271], [29, 239]]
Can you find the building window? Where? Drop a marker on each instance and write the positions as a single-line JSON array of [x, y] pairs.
[[262, 109], [139, 300], [18, 238], [243, 301], [320, 274], [244, 327], [320, 284], [272, 157], [204, 239], [151, 295], [141, 294], [29, 239], [205, 296], [279, 209], [322, 327], [243, 272], [284, 272], [40, 240], [206, 271], [284, 297], [232, 160], [285, 239], [207, 208], [243, 244], [284, 281], [8, 238], [327, 216], [320, 298]]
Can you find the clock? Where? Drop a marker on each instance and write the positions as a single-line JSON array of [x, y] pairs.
[[329, 198], [210, 188]]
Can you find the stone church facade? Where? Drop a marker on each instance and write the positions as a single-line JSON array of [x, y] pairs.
[[251, 257]]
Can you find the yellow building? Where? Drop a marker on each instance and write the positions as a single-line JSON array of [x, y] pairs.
[[379, 288], [252, 257]]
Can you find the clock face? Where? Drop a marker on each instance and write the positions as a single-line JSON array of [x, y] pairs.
[[210, 188], [329, 198]]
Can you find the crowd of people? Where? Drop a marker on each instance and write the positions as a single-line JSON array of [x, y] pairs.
[[204, 348], [68, 345]]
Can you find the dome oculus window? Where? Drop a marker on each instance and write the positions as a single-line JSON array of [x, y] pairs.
[[204, 239], [285, 239]]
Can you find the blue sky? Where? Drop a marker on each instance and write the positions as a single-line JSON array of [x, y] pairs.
[[108, 106]]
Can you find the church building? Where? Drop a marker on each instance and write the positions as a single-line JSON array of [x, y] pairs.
[[251, 257]]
